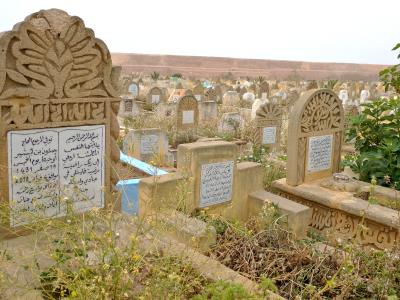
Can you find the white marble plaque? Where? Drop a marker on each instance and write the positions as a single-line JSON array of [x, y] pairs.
[[216, 183], [269, 135], [198, 97], [187, 117], [46, 165], [149, 144], [155, 99], [319, 153]]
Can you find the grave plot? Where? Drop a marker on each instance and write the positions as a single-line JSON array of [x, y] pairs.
[[314, 152]]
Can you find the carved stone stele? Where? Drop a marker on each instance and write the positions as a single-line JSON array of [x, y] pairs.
[[55, 73], [187, 113], [318, 113]]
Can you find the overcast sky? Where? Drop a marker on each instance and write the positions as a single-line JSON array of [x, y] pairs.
[[358, 31]]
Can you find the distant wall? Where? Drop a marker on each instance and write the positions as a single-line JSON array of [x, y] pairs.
[[198, 66]]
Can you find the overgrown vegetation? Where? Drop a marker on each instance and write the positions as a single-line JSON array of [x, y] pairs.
[[264, 251]]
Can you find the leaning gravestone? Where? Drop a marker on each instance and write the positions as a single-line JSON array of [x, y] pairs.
[[269, 123], [315, 136], [58, 125], [187, 113]]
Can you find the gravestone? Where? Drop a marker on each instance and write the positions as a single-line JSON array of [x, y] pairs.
[[213, 166], [256, 104], [128, 107], [364, 96], [269, 123], [208, 111], [315, 135], [263, 92], [187, 113], [155, 96], [230, 122], [248, 97], [58, 129], [134, 89], [198, 92], [210, 95], [149, 144], [343, 96], [231, 98]]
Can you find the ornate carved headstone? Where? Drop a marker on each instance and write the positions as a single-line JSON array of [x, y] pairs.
[[269, 123], [58, 124], [315, 136], [187, 113]]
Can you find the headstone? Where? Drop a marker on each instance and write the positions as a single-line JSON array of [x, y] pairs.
[[134, 89], [198, 92], [149, 144], [315, 136], [231, 98], [257, 103], [230, 122], [248, 97], [155, 96], [269, 123], [208, 111], [210, 95], [343, 96], [213, 167], [187, 113], [364, 96], [263, 92], [58, 129]]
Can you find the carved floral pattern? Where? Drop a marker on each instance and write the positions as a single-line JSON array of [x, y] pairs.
[[322, 112]]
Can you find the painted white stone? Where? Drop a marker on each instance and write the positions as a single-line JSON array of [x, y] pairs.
[[187, 117]]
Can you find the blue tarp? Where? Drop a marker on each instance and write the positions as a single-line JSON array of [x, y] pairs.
[[130, 188]]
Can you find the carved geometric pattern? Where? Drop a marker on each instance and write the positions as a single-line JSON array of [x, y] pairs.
[[210, 94], [270, 111]]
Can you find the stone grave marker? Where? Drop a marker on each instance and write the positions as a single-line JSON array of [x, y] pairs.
[[134, 89], [208, 111], [315, 135], [155, 96], [343, 96], [187, 113], [263, 92], [230, 122], [58, 129], [269, 124], [210, 95], [149, 144], [198, 92], [231, 98]]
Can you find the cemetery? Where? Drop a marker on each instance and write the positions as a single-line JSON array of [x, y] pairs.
[[150, 185]]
